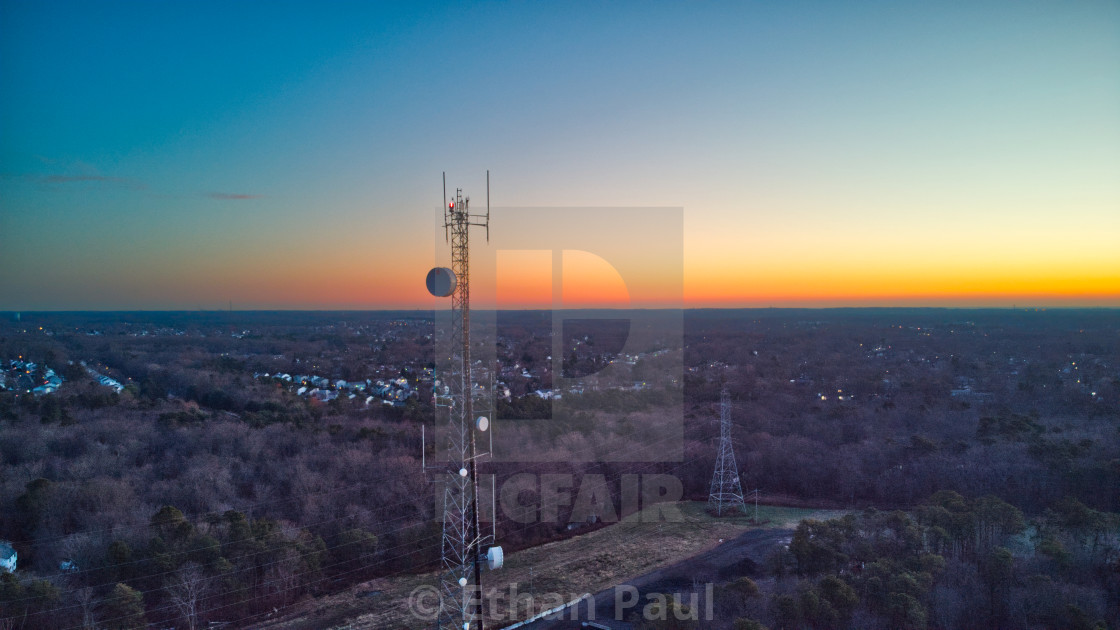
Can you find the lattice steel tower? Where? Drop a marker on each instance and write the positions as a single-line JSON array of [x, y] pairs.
[[726, 492], [463, 542]]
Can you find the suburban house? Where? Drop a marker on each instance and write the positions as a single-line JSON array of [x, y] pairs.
[[7, 557]]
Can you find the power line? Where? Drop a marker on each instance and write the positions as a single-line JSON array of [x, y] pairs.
[[635, 451], [383, 561]]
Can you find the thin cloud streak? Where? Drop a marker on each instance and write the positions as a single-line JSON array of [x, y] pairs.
[[61, 180], [65, 179], [232, 196]]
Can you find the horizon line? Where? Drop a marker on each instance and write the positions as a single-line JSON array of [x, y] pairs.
[[1016, 307]]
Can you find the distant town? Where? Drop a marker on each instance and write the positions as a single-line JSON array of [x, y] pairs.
[[147, 451]]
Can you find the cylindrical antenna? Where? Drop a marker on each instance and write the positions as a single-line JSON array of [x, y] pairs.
[[487, 205], [493, 406]]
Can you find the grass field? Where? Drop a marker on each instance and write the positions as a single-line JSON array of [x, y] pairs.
[[583, 564]]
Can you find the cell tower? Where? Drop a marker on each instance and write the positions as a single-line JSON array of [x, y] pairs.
[[726, 492], [462, 543]]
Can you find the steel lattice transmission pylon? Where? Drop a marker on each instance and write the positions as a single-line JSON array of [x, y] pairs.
[[726, 493], [462, 541]]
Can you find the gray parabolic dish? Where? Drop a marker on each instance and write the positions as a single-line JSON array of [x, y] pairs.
[[441, 282]]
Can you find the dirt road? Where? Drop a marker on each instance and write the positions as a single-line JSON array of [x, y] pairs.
[[733, 557]]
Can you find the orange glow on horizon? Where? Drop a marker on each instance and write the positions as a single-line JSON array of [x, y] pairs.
[[524, 279], [591, 282], [334, 278]]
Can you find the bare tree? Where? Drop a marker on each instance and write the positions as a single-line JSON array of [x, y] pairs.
[[86, 601], [186, 588]]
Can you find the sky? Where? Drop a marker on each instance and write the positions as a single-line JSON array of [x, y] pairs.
[[288, 155]]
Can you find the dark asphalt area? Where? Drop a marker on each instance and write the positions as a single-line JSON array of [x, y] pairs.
[[732, 558]]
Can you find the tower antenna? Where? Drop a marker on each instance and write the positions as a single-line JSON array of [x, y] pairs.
[[445, 236], [726, 492], [463, 542]]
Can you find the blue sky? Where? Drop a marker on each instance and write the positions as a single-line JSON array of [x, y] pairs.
[[287, 155]]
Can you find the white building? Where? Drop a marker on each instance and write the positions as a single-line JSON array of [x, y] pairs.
[[7, 557]]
